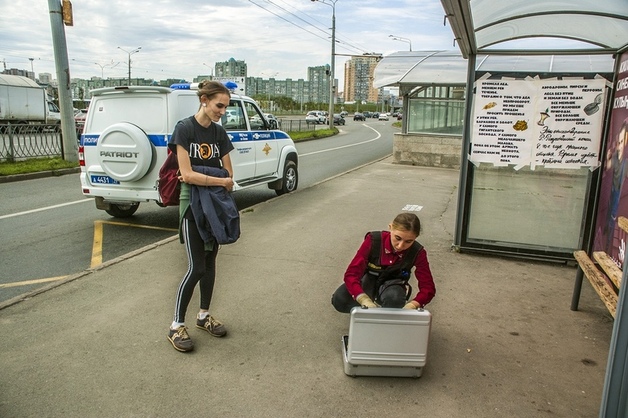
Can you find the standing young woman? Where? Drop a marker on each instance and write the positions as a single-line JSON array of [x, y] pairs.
[[379, 273], [200, 141]]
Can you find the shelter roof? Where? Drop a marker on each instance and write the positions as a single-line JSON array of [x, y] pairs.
[[414, 68], [488, 26]]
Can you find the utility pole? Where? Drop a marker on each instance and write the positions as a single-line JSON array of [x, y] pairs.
[[332, 4], [68, 128]]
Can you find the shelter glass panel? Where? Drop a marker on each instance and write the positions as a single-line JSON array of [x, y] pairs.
[[540, 209], [437, 110]]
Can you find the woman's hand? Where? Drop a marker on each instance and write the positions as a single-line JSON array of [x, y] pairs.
[[228, 183]]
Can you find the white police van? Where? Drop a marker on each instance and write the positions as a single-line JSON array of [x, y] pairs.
[[124, 144]]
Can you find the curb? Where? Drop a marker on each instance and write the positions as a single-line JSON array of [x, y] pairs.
[[39, 175]]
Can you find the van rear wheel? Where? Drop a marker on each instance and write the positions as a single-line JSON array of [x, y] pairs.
[[122, 211]]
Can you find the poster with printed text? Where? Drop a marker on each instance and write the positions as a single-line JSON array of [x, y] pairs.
[[550, 123]]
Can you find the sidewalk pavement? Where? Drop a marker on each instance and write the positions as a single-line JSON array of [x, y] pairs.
[[504, 342]]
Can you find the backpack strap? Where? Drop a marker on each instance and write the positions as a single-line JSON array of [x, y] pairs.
[[376, 248], [407, 262]]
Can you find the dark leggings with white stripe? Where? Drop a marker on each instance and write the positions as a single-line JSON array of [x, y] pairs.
[[201, 269]]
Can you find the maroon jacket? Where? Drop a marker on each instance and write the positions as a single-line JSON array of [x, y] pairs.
[[388, 257]]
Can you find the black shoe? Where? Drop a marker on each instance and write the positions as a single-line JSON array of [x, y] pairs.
[[180, 339], [211, 325]]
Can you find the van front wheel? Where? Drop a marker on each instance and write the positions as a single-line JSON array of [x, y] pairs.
[[122, 211], [290, 179]]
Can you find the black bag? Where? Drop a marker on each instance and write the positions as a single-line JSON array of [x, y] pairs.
[[168, 185]]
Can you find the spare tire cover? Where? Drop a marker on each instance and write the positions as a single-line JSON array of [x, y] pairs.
[[124, 152]]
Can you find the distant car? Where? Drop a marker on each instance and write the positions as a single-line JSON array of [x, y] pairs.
[[273, 121], [367, 114], [315, 116], [358, 116], [79, 120], [375, 115], [383, 116], [338, 119]]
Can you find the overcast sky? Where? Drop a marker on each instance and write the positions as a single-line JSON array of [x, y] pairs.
[[282, 37]]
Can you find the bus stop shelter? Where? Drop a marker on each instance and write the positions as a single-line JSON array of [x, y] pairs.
[[535, 143]]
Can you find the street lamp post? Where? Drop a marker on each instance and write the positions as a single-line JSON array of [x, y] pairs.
[[212, 70], [332, 4], [129, 54], [399, 38], [102, 68]]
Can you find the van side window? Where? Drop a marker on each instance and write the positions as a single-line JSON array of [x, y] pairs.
[[233, 119], [256, 118]]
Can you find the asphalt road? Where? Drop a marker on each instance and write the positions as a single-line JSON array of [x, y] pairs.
[[50, 230]]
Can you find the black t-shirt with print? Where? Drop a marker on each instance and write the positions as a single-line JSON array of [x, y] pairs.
[[205, 146]]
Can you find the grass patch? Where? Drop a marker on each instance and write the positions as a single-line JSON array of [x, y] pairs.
[[305, 135], [35, 165]]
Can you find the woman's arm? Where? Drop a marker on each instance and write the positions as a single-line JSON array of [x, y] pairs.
[[423, 274], [226, 164], [192, 177], [357, 268]]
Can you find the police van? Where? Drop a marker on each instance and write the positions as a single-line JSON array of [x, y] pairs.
[[127, 129]]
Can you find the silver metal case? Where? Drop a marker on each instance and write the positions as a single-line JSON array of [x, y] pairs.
[[386, 342]]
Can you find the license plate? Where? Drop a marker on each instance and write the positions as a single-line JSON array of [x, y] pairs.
[[103, 180]]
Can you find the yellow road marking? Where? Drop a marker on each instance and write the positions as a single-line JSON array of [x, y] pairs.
[[97, 245], [98, 237], [29, 282]]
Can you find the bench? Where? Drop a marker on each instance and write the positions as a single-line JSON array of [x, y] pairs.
[[603, 274]]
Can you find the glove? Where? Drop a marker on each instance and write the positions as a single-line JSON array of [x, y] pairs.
[[365, 301], [412, 305]]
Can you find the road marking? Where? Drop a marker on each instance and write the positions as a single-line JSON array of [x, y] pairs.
[[29, 282], [12, 215], [98, 237], [345, 146]]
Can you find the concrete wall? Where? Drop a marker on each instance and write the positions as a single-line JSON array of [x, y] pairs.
[[427, 150]]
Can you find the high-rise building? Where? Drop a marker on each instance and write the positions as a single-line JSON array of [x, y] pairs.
[[318, 78], [231, 68], [359, 80]]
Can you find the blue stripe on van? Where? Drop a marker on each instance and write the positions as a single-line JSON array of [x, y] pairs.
[[235, 136], [91, 140]]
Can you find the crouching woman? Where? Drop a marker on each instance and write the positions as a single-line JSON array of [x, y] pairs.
[[379, 274]]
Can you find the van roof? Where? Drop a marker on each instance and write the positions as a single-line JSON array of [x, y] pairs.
[[150, 89]]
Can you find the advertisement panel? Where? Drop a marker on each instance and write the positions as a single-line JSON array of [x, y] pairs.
[[613, 201]]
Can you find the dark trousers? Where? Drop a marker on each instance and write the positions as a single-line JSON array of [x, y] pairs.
[[387, 296], [201, 270]]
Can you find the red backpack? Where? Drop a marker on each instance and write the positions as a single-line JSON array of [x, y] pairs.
[[168, 185]]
